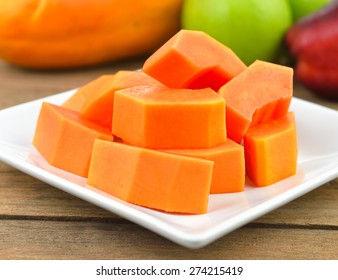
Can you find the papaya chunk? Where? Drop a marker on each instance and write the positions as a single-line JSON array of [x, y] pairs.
[[158, 118], [66, 140], [271, 151], [78, 100], [195, 60], [229, 167], [95, 101], [151, 178], [259, 94]]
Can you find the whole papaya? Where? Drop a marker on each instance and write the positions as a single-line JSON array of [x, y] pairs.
[[52, 34]]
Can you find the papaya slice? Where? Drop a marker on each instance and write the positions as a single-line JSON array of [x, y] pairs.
[[259, 94], [194, 60], [271, 151], [151, 178], [66, 140], [158, 118]]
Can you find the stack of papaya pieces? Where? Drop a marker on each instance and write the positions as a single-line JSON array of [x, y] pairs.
[[194, 121]]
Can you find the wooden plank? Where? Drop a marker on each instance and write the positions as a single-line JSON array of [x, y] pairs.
[[318, 207], [94, 240], [23, 195]]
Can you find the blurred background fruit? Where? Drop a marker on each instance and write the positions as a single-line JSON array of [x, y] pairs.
[[302, 8], [54, 34], [63, 34], [254, 29], [314, 43]]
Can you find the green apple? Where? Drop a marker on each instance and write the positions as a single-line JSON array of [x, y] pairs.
[[302, 8], [253, 29]]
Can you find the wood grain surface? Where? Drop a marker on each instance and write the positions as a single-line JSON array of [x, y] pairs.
[[38, 221]]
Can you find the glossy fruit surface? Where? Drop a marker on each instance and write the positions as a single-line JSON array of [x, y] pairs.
[[314, 43]]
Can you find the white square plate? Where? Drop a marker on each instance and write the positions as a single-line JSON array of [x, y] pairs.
[[317, 129]]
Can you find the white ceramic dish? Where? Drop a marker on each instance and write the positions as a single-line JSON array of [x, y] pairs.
[[317, 129]]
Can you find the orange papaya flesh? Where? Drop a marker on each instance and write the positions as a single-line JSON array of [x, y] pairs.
[[149, 178], [271, 151], [259, 94], [158, 118], [229, 167], [66, 140], [194, 60]]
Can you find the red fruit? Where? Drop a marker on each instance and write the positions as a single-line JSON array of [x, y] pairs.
[[323, 82], [314, 42]]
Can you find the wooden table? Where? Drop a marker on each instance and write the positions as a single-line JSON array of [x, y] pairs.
[[38, 221]]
